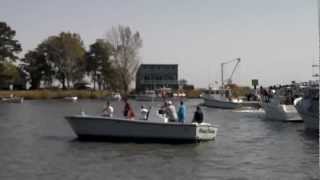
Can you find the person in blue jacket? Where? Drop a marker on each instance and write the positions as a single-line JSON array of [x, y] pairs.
[[182, 112]]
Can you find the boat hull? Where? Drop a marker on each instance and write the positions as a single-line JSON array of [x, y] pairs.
[[281, 112], [104, 128], [308, 108], [211, 102], [252, 104]]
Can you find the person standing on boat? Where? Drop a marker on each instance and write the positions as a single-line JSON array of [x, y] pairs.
[[182, 112], [128, 111], [162, 112], [171, 112], [108, 110], [198, 115], [143, 113]]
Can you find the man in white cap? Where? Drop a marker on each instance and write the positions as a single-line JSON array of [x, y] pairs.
[[143, 113], [171, 112], [108, 110]]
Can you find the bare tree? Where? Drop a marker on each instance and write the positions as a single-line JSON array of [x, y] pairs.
[[125, 54]]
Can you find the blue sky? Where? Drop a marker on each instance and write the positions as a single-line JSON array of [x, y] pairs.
[[277, 40]]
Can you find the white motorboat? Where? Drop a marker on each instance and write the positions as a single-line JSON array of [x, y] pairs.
[[279, 102], [308, 108], [275, 110], [114, 129], [12, 99], [71, 98]]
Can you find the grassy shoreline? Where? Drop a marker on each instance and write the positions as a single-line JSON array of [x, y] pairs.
[[60, 94], [56, 94]]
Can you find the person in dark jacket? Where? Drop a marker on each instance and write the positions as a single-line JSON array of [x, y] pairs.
[[128, 111], [198, 115]]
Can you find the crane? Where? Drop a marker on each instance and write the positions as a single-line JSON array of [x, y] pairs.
[[237, 60]]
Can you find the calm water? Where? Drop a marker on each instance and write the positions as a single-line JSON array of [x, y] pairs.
[[37, 143]]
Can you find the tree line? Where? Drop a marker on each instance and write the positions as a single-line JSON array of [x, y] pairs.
[[110, 62]]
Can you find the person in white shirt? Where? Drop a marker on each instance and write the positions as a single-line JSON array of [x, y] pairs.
[[108, 110], [144, 113], [162, 112], [171, 112]]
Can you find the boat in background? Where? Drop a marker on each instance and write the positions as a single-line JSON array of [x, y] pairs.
[[121, 129], [161, 94], [71, 98], [114, 97], [149, 95], [220, 99], [275, 110], [279, 103], [308, 108], [179, 94], [12, 99]]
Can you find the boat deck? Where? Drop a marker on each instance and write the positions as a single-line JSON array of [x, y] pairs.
[[99, 128]]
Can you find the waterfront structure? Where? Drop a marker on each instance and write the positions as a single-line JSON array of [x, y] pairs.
[[156, 76]]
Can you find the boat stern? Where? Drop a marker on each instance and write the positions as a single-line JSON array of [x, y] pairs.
[[206, 132]]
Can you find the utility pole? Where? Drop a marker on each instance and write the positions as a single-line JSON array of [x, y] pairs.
[[222, 84], [319, 44]]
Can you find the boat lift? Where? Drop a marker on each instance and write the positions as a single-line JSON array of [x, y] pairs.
[[237, 60]]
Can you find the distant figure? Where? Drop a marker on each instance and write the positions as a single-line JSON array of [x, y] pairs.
[[171, 112], [108, 110], [144, 113], [126, 108], [198, 115], [128, 111], [182, 112]]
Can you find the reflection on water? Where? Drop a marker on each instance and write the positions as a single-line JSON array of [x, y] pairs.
[[37, 143]]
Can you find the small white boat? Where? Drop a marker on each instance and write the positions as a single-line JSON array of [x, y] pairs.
[[274, 110], [113, 129], [12, 99], [71, 98]]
